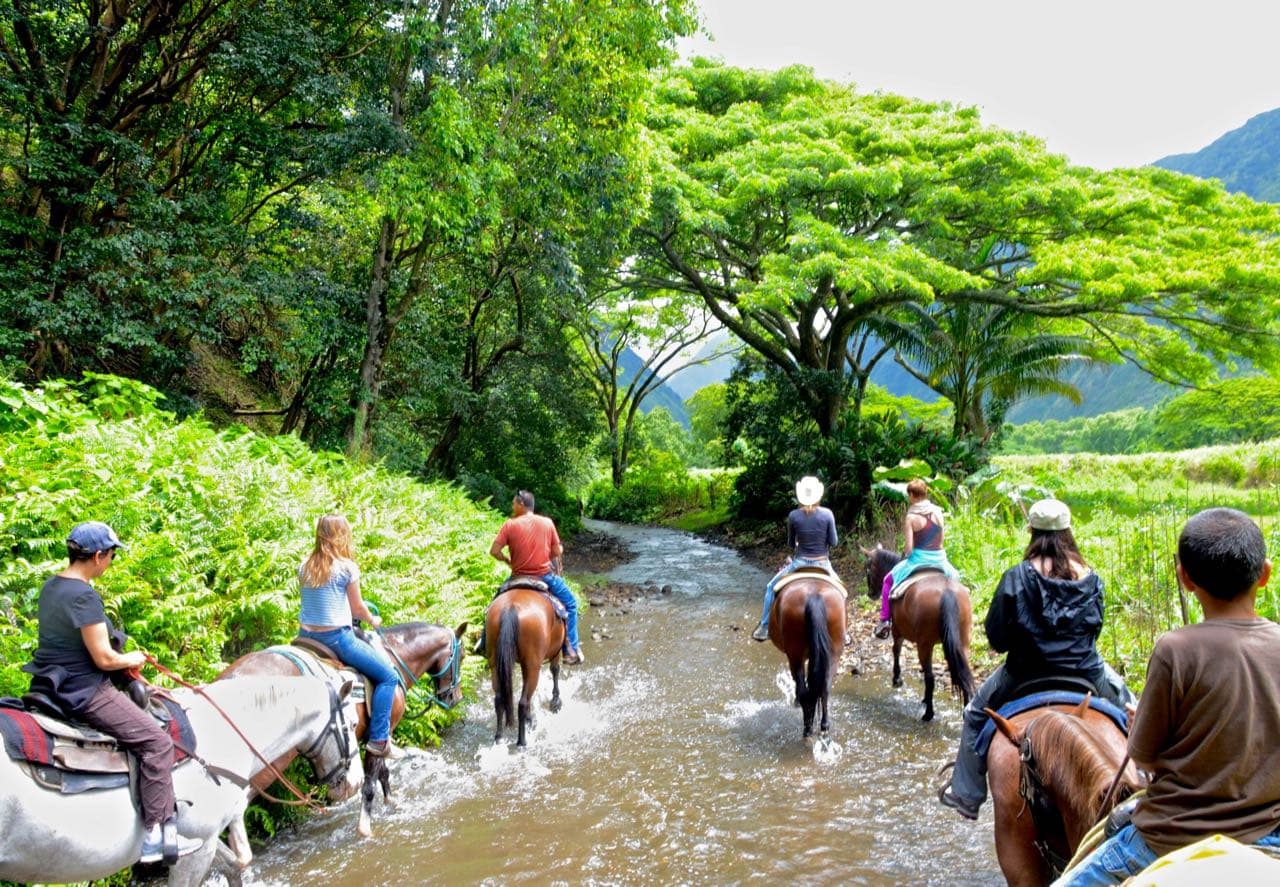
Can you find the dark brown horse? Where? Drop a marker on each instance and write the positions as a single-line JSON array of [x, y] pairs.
[[525, 629], [807, 623], [1070, 758], [933, 610], [416, 649]]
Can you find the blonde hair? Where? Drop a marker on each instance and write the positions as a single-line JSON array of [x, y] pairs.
[[917, 489], [333, 541]]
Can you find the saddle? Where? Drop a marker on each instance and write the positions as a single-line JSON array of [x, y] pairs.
[[71, 758], [811, 573], [530, 582], [1038, 694], [316, 659], [916, 575]]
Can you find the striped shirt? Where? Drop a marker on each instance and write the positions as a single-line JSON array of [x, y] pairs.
[[327, 605]]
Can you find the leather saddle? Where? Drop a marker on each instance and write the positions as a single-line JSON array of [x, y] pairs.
[[1054, 690], [916, 575], [811, 573], [323, 662], [68, 757], [538, 585]]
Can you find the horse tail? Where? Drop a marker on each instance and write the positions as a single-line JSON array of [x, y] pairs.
[[815, 627], [505, 662], [952, 648]]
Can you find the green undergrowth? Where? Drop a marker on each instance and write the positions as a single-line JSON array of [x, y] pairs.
[[217, 521]]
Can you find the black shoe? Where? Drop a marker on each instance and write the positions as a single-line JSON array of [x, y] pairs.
[[947, 799], [761, 633], [883, 630]]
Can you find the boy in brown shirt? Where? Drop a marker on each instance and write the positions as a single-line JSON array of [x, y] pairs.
[[1208, 722]]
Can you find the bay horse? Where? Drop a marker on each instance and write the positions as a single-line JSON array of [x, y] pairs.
[[935, 609], [807, 623], [49, 837], [1068, 757], [416, 649], [526, 630]]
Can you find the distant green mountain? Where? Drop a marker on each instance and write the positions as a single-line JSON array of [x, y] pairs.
[[1246, 159], [628, 366]]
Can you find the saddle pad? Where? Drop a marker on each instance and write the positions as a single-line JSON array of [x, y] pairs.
[[916, 575], [1039, 700], [39, 739], [811, 573], [310, 664]]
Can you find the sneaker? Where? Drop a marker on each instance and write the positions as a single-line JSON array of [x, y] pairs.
[[153, 844], [884, 629], [383, 748], [761, 633], [478, 649], [572, 656], [947, 799]]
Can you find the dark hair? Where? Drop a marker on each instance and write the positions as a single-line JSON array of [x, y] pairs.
[[525, 498], [76, 553], [1059, 547], [1222, 551]]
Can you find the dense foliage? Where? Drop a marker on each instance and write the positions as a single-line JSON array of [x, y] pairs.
[[1232, 411], [217, 523]]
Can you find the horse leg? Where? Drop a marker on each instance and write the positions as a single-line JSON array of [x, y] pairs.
[[500, 709], [897, 662], [240, 849], [797, 675], [924, 650], [555, 683], [372, 764]]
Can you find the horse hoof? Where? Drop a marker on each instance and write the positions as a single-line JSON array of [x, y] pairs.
[[897, 682], [555, 705], [928, 716]]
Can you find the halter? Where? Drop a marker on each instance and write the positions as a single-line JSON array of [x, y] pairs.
[[1039, 801], [338, 728], [408, 681]]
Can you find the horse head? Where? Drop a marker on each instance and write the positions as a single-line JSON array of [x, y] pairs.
[[335, 753], [879, 562]]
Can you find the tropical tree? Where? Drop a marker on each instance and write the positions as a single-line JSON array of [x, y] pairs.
[[804, 214], [983, 358]]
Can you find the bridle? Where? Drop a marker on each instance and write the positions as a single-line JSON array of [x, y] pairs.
[[452, 668], [339, 730]]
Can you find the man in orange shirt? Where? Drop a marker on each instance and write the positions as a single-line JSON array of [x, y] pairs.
[[535, 549]]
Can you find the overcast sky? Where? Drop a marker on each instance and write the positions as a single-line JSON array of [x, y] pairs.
[[1118, 83]]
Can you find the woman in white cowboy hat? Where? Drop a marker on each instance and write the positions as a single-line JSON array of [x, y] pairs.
[[811, 534]]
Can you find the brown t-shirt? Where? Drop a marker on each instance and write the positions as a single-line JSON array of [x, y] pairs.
[[1209, 724], [530, 538]]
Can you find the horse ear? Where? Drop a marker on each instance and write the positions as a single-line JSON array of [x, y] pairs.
[[866, 552], [345, 690], [1010, 732], [460, 630], [1083, 707], [879, 546]]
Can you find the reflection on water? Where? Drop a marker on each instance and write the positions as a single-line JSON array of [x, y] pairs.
[[677, 758]]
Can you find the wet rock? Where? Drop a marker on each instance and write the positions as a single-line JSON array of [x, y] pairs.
[[666, 589]]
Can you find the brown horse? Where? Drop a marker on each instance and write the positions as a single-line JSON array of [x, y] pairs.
[[807, 623], [416, 649], [933, 610], [1067, 758], [524, 624]]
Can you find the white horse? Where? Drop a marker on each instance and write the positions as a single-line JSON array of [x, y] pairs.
[[48, 837]]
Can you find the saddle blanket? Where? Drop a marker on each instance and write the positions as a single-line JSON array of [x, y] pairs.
[[39, 739], [916, 575], [811, 573], [982, 742], [314, 659]]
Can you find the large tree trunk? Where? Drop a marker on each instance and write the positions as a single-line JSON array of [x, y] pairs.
[[377, 333], [440, 459]]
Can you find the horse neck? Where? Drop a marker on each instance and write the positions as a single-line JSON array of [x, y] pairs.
[[418, 645], [276, 715], [1075, 766]]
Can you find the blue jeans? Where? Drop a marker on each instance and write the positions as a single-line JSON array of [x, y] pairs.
[[796, 563], [560, 589], [1122, 856], [366, 660]]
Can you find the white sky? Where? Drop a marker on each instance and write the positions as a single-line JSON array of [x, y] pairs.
[[1118, 83]]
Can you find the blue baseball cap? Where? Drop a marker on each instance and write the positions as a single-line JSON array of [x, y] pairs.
[[94, 536]]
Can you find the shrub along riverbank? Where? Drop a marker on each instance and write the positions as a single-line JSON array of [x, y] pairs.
[[216, 522]]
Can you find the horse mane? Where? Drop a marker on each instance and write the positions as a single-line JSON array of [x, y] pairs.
[[1071, 760], [883, 558]]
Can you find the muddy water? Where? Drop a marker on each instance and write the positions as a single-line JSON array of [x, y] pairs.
[[677, 759]]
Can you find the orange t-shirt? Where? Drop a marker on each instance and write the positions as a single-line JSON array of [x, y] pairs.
[[530, 538]]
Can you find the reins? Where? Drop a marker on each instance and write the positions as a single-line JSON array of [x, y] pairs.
[[409, 681], [302, 799]]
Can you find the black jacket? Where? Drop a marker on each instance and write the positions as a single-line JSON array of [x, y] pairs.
[[1047, 626]]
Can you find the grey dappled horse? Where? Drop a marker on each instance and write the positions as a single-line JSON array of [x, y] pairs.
[[53, 838]]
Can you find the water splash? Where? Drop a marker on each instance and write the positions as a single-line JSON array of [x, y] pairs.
[[827, 751]]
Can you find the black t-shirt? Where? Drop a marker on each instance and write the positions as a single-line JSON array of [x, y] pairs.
[[62, 667]]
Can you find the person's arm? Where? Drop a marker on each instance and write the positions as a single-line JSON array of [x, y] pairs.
[[791, 534], [832, 538], [1153, 721], [499, 543], [908, 538], [358, 608], [98, 643], [1002, 613]]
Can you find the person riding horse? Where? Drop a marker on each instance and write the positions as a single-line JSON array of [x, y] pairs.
[[1046, 616], [811, 534], [922, 532], [73, 664], [330, 591], [534, 552]]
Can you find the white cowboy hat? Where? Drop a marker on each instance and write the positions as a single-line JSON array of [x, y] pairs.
[[809, 490]]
